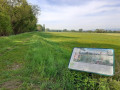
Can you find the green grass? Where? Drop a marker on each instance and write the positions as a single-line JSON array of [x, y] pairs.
[[40, 61]]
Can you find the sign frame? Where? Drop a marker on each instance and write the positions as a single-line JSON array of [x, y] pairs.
[[95, 72]]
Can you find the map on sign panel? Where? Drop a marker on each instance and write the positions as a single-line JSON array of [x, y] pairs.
[[93, 60]]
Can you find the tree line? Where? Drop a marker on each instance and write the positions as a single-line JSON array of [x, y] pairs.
[[42, 28], [17, 16]]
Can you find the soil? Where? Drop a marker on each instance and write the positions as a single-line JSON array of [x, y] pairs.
[[11, 85]]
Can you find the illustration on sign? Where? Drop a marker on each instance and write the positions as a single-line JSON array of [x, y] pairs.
[[93, 60]]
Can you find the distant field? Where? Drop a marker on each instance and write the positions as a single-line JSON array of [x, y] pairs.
[[40, 60]]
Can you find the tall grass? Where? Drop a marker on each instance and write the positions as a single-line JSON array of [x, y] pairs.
[[48, 63]]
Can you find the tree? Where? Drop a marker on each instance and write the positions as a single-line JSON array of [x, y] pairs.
[[39, 27], [47, 30], [80, 30], [43, 28], [72, 30], [64, 30], [100, 30], [5, 25], [23, 19], [20, 15], [5, 21]]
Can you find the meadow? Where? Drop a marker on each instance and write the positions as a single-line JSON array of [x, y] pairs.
[[39, 61]]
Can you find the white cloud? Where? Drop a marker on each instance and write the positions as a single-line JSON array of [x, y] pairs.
[[94, 14]]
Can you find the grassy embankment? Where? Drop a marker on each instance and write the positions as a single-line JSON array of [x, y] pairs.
[[40, 61]]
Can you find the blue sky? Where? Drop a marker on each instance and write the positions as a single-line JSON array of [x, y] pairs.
[[76, 14]]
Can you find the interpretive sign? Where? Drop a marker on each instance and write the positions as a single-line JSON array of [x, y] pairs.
[[93, 60]]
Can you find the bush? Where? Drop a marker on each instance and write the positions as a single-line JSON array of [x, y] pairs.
[[114, 85]]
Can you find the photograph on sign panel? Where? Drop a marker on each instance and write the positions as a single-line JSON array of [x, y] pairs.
[[99, 56]]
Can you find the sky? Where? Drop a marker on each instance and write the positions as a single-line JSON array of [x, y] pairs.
[[77, 14]]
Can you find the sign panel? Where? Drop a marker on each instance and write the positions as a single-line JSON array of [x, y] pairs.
[[93, 60]]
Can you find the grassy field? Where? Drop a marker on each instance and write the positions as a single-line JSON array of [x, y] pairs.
[[39, 61]]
